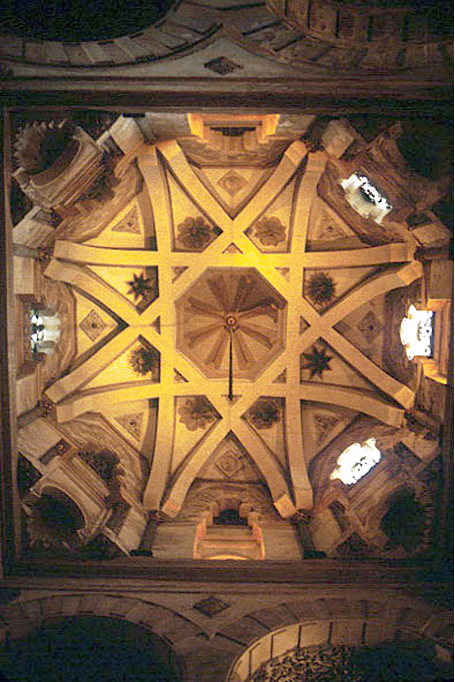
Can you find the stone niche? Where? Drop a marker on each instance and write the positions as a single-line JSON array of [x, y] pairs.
[[59, 162]]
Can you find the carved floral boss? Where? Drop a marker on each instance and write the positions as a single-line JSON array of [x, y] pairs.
[[231, 317]]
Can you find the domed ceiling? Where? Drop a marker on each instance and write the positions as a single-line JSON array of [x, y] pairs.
[[228, 325]]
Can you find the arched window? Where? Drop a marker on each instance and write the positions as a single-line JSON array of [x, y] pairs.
[[356, 461]]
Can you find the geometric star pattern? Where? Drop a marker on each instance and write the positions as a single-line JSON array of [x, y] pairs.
[[289, 484], [210, 606], [92, 325], [132, 423], [130, 223], [370, 327]]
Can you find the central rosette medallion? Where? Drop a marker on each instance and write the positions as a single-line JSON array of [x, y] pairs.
[[233, 307]]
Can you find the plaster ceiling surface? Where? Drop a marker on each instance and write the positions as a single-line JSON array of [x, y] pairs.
[[251, 373]]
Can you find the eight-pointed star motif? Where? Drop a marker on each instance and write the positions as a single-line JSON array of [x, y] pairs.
[[140, 286], [317, 361]]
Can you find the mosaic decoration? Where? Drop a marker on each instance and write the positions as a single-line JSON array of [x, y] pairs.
[[210, 606], [130, 223], [324, 424], [132, 423], [370, 327], [196, 413], [140, 286], [264, 414], [317, 362], [320, 288], [232, 183], [270, 231], [92, 325], [194, 233]]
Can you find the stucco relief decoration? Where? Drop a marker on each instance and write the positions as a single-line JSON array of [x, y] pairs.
[[132, 423], [40, 144], [130, 223], [229, 464], [140, 286], [270, 231], [264, 414], [196, 413], [104, 466], [232, 183], [321, 288], [317, 362], [92, 325], [194, 233], [370, 327], [52, 523], [39, 534], [145, 360]]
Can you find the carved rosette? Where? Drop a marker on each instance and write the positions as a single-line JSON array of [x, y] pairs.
[[194, 233], [196, 413], [144, 360], [320, 288], [264, 413], [270, 231]]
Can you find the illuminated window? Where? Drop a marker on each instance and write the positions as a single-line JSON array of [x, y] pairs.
[[44, 331], [365, 198], [356, 461], [416, 332], [36, 330]]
